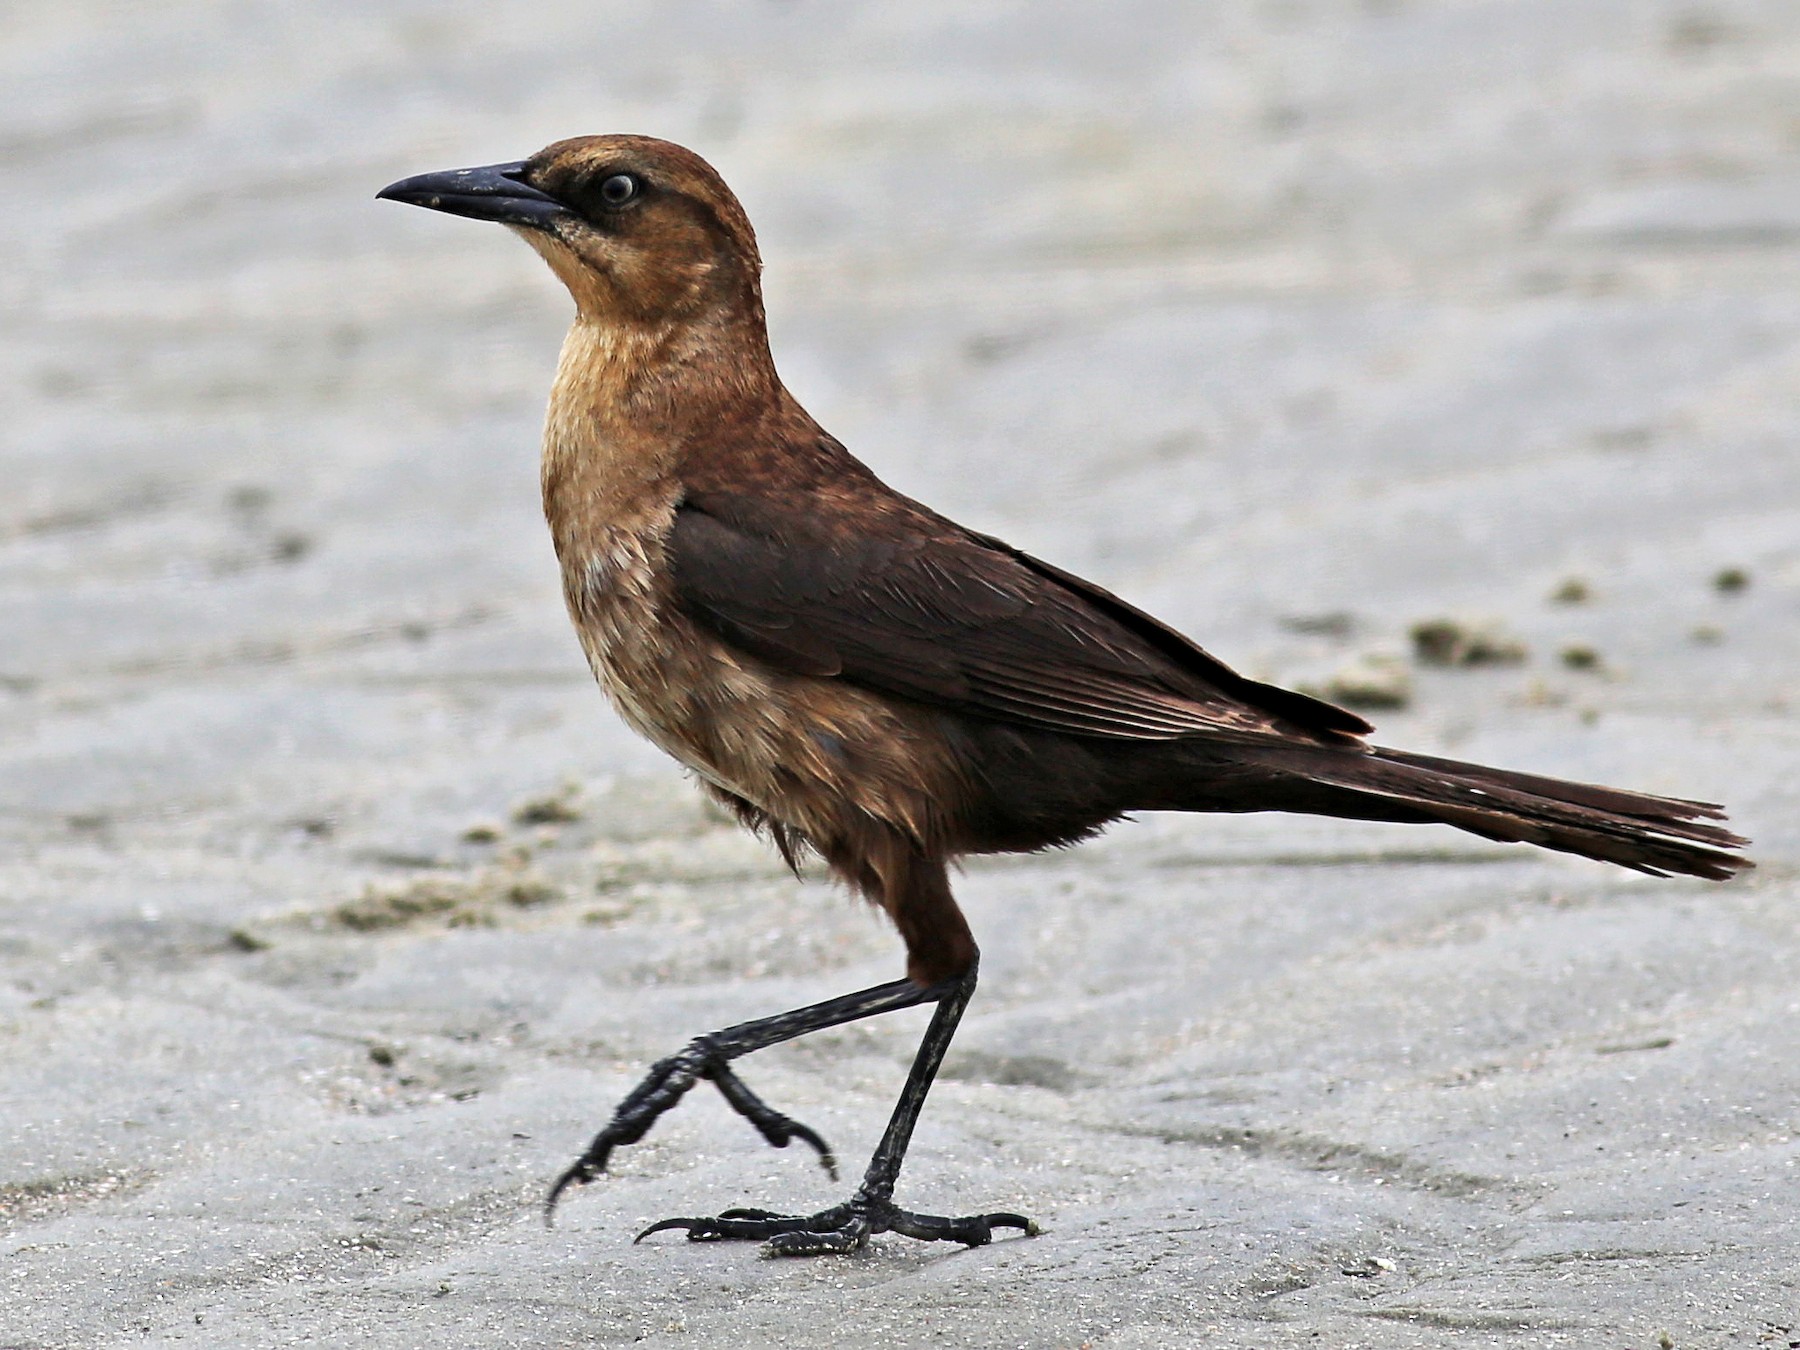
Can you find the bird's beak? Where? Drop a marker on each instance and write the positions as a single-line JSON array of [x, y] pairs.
[[491, 192]]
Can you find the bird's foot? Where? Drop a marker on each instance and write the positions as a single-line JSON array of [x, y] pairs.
[[842, 1228], [666, 1084]]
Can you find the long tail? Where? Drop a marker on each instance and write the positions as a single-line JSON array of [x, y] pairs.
[[1658, 835]]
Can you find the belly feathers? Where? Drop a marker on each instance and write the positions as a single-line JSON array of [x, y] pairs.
[[815, 754]]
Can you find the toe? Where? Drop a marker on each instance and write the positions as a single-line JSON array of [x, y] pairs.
[[802, 1243], [695, 1228]]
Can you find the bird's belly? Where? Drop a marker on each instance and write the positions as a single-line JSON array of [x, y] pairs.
[[814, 754], [672, 690]]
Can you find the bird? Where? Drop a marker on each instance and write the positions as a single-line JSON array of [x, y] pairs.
[[858, 678]]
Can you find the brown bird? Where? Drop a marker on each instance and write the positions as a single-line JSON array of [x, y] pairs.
[[858, 677]]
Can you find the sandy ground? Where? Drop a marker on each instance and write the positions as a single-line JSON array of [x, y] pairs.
[[1298, 322]]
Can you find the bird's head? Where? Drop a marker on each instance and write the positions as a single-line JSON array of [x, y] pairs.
[[641, 231]]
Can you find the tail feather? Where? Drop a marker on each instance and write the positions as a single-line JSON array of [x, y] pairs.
[[1658, 835]]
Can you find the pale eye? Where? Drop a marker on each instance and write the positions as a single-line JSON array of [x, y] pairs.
[[619, 188]]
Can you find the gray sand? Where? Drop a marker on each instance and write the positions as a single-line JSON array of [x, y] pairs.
[[1297, 322]]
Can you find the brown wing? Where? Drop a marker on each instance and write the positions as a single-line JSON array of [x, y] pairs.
[[909, 604]]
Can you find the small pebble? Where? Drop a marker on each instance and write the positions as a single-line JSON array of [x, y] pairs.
[[1460, 642], [1571, 591], [1579, 656], [1371, 681], [1335, 624], [557, 809]]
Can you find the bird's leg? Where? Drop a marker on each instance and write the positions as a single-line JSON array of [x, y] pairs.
[[708, 1057], [845, 1227]]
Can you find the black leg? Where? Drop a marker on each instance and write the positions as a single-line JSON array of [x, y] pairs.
[[708, 1057], [845, 1227], [884, 1166]]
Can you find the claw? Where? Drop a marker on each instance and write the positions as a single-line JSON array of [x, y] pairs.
[[976, 1230], [780, 1130], [697, 1229], [827, 1159], [583, 1171]]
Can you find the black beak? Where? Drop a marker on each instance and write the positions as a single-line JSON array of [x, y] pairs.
[[492, 192]]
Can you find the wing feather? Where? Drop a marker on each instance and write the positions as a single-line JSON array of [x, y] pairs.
[[914, 606]]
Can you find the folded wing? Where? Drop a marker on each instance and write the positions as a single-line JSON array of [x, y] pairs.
[[914, 606]]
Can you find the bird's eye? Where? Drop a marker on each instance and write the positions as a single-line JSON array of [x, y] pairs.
[[619, 188]]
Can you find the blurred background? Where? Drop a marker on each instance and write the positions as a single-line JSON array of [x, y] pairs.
[[1440, 356]]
